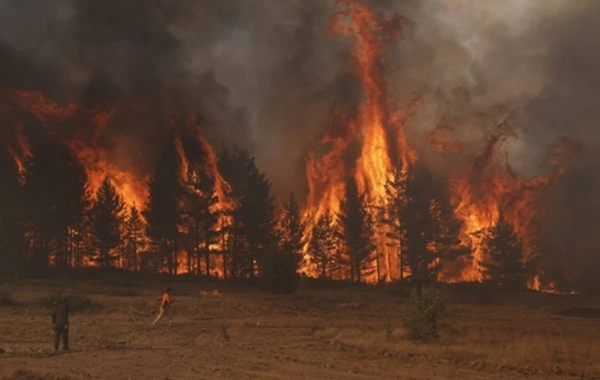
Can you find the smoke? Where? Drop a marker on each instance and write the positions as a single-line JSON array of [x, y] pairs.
[[265, 75], [477, 62]]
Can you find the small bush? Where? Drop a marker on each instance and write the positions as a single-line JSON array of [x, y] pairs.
[[422, 319], [6, 298], [75, 302], [279, 274]]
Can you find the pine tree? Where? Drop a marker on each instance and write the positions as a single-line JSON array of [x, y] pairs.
[[392, 216], [107, 214], [204, 218], [252, 234], [56, 199], [446, 245], [134, 238], [503, 264], [356, 230], [11, 216], [258, 212], [323, 245], [163, 214], [417, 224], [293, 230], [234, 164], [422, 223]]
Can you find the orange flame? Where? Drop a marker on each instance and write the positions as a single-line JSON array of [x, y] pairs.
[[486, 188]]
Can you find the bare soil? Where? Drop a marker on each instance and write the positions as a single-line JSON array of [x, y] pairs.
[[213, 332]]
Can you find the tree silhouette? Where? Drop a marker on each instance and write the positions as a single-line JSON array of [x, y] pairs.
[[446, 245], [252, 232], [163, 215], [234, 165], [293, 230], [257, 208], [392, 215], [356, 230], [503, 264], [323, 244], [423, 224], [107, 216], [56, 196], [134, 235], [204, 218], [11, 216]]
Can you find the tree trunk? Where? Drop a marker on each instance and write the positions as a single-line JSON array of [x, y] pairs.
[[378, 267], [207, 251]]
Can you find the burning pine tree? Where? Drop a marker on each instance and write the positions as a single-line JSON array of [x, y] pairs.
[[375, 210]]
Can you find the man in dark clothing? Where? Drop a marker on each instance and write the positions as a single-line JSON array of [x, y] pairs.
[[60, 319]]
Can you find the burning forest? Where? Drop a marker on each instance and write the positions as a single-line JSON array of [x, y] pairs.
[[382, 201]]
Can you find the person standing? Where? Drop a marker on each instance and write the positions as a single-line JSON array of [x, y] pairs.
[[60, 319], [164, 305]]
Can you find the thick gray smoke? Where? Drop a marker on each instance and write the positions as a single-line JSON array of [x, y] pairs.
[[265, 75]]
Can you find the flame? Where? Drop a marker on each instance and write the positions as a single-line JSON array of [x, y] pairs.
[[62, 124], [479, 193], [372, 125], [131, 187], [489, 187]]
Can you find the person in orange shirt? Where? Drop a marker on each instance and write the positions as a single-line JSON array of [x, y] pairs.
[[164, 305]]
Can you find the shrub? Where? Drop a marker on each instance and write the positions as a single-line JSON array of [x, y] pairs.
[[422, 319], [75, 302], [279, 274]]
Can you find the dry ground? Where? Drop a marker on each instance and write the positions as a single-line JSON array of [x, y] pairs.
[[314, 334]]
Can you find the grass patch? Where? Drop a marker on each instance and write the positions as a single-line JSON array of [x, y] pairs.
[[531, 342], [123, 293], [113, 292], [75, 302], [6, 298], [118, 282]]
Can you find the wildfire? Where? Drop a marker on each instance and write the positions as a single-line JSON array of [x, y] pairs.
[[366, 143], [480, 193], [85, 146], [63, 123], [378, 130]]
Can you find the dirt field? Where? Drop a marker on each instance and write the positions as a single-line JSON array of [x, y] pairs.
[[315, 334]]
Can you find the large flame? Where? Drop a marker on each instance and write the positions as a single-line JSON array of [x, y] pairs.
[[131, 187], [372, 125], [62, 123], [487, 187]]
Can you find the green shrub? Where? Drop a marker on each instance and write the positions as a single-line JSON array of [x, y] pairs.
[[6, 298], [75, 302], [422, 319]]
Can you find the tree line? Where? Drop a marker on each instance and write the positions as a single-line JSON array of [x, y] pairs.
[[49, 220]]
